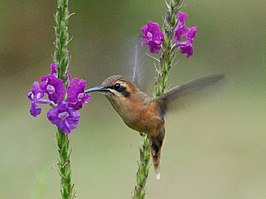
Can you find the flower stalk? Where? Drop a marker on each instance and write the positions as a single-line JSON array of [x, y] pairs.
[[143, 169], [61, 58], [61, 54], [65, 95], [162, 75], [64, 168], [168, 48]]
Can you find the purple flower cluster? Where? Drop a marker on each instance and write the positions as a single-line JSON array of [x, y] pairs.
[[64, 113], [184, 37]]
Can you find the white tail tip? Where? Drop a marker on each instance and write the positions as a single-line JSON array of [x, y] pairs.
[[158, 176]]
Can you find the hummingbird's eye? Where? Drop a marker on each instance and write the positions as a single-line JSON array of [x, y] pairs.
[[121, 89], [117, 86]]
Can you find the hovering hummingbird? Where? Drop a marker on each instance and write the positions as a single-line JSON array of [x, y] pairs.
[[146, 114]]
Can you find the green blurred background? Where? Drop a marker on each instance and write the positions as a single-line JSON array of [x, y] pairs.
[[214, 149]]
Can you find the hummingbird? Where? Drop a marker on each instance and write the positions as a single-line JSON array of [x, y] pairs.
[[146, 114]]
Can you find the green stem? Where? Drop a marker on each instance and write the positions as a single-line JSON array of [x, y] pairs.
[[61, 58], [64, 168], [61, 54], [143, 169], [166, 62]]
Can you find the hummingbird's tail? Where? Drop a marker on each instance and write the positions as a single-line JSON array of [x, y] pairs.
[[156, 146]]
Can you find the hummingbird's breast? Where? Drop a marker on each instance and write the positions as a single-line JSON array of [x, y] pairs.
[[140, 115]]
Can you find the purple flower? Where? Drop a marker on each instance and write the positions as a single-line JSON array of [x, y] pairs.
[[180, 28], [54, 87], [65, 118], [68, 76], [35, 109], [53, 69], [75, 94], [35, 96], [191, 32], [184, 37], [186, 49], [152, 36], [181, 17]]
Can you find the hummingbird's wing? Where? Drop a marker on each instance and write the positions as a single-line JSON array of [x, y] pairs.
[[187, 89], [136, 63]]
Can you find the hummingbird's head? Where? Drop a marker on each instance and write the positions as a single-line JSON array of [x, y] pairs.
[[115, 87], [122, 94]]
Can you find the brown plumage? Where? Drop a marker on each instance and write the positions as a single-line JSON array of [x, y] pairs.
[[143, 113]]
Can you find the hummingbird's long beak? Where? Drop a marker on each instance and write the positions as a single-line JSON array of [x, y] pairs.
[[97, 88]]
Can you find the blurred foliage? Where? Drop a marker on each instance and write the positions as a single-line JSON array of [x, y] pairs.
[[214, 149]]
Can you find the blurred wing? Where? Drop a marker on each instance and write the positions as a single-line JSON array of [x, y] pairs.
[[137, 65], [195, 86]]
